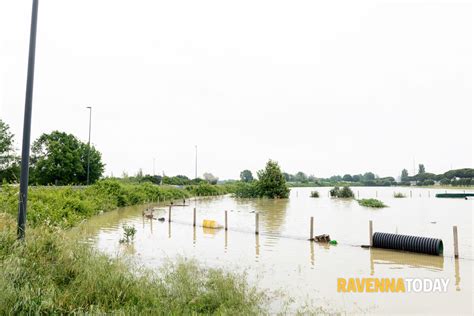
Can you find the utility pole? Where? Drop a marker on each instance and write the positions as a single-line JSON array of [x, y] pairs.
[[196, 163], [89, 146], [25, 151]]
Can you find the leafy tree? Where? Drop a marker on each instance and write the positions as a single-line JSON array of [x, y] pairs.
[[9, 162], [356, 178], [312, 178], [404, 176], [209, 177], [246, 176], [271, 182], [369, 176], [347, 177], [60, 158], [421, 169]]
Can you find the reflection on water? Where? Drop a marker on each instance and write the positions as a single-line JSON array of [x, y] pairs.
[[281, 254], [400, 258]]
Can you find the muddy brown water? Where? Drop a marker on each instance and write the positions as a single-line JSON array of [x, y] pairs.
[[281, 260]]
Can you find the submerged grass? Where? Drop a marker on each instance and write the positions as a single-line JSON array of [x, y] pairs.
[[51, 274], [371, 203]]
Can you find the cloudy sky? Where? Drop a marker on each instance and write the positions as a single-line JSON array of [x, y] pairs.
[[326, 87]]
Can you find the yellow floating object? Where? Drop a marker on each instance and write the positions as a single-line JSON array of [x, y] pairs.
[[207, 223]]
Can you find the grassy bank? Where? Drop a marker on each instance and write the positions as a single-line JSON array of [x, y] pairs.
[[67, 206], [51, 274]]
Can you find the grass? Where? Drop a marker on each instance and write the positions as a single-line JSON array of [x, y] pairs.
[[399, 195], [371, 203], [51, 274]]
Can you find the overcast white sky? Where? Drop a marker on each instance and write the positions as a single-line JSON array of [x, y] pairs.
[[326, 87]]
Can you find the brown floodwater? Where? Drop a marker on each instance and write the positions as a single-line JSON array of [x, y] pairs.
[[281, 260]]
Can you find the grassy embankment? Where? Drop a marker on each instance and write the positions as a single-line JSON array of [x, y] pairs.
[[51, 273], [67, 206]]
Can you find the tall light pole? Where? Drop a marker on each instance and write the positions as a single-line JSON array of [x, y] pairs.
[[25, 151], [89, 146], [196, 163]]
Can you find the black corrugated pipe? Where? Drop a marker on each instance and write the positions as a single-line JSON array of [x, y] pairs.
[[432, 246]]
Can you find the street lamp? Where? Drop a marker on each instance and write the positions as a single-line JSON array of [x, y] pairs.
[[25, 151], [196, 163], [89, 146]]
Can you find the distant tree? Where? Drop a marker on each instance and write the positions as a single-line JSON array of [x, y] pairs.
[[246, 176], [312, 178], [301, 177], [271, 182], [209, 177], [60, 158], [287, 176], [347, 177], [369, 176], [421, 169], [356, 178], [404, 176], [9, 162], [335, 178]]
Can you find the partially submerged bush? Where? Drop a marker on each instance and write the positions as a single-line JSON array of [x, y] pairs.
[[314, 194], [345, 192], [128, 233], [51, 274], [270, 184], [399, 195], [371, 203]]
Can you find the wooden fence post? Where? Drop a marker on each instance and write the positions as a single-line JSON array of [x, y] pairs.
[[371, 234], [256, 223], [311, 231], [455, 235], [225, 221], [194, 217]]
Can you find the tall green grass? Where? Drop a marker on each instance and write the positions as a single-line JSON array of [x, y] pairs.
[[51, 274]]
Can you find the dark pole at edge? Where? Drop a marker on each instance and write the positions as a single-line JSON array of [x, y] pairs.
[[25, 151], [89, 145]]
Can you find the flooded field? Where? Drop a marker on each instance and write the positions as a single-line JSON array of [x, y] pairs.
[[281, 260]]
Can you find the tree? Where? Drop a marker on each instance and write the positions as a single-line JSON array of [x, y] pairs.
[[404, 176], [347, 177], [356, 178], [209, 177], [301, 177], [312, 178], [421, 169], [271, 182], [369, 176], [60, 158], [9, 162], [246, 176]]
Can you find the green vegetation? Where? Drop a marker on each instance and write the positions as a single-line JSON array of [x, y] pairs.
[[399, 195], [9, 162], [371, 203], [67, 206], [128, 234], [206, 189], [50, 273], [246, 176], [59, 158], [314, 194], [345, 192], [270, 184]]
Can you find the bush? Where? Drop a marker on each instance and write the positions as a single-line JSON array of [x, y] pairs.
[[345, 192], [371, 203], [247, 190], [314, 194], [399, 195]]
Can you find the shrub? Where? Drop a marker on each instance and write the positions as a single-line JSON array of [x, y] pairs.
[[128, 234], [314, 194], [399, 195], [345, 192], [371, 203]]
